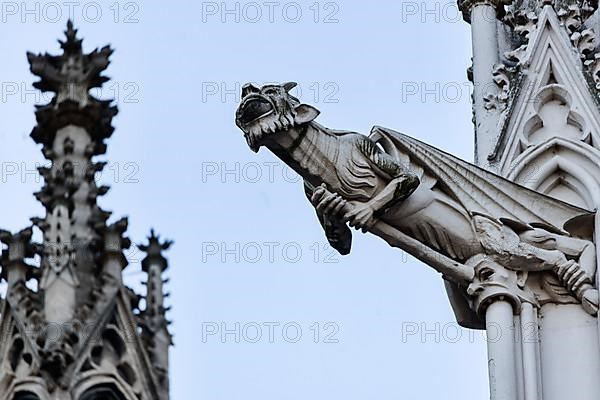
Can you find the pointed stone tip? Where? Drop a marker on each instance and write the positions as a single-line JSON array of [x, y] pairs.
[[71, 31], [154, 238], [72, 44], [154, 249]]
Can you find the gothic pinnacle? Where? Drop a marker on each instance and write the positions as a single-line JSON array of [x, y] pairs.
[[79, 280], [153, 321], [18, 248], [70, 76]]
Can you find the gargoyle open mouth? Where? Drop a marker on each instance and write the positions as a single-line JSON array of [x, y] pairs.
[[253, 108]]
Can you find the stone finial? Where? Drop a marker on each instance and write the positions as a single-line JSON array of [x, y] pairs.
[[70, 76], [72, 45], [73, 73], [154, 250]]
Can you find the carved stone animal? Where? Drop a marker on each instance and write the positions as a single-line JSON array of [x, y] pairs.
[[348, 164], [351, 180]]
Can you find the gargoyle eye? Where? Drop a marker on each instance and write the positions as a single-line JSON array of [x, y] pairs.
[[270, 91], [486, 274]]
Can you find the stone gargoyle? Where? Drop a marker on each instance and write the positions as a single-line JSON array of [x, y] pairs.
[[486, 235]]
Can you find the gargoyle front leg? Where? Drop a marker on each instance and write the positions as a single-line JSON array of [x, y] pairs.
[[330, 208], [363, 215], [402, 183]]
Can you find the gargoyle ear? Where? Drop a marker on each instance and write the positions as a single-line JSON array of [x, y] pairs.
[[305, 114], [289, 86], [249, 88]]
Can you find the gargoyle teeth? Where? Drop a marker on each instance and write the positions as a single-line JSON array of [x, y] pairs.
[[288, 122], [264, 126]]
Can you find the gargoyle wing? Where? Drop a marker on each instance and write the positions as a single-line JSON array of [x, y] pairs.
[[478, 190]]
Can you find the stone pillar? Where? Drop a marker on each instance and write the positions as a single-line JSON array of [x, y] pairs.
[[482, 16], [501, 350], [530, 349], [569, 353]]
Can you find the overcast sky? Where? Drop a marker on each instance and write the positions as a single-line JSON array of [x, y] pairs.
[[262, 309]]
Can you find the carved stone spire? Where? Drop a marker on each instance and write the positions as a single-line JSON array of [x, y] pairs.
[[72, 332], [153, 319], [72, 129]]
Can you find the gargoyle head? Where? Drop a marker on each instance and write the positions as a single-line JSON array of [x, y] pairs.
[[269, 110]]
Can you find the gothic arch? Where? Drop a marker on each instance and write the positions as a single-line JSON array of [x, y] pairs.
[[96, 384], [25, 396], [560, 168], [556, 181], [103, 392], [550, 102], [26, 389], [551, 77]]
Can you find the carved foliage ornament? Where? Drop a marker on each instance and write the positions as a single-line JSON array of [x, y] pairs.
[[502, 76], [524, 21]]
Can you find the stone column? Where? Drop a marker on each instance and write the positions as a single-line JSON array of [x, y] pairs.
[[569, 353], [530, 350], [501, 350], [482, 16]]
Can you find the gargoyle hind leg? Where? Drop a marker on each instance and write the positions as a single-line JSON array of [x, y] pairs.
[[511, 251], [569, 273], [576, 276]]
